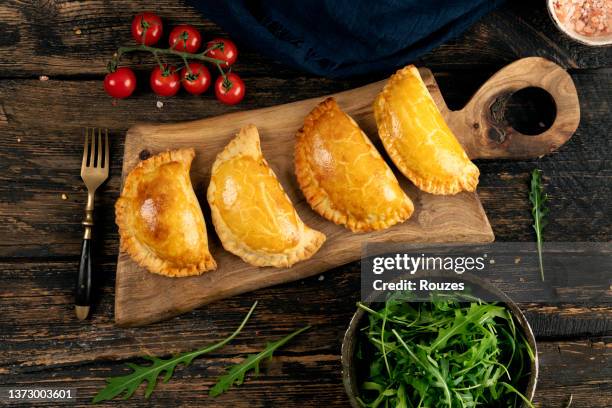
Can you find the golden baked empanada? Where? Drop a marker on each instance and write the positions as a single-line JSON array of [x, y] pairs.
[[342, 175], [160, 220], [418, 139], [251, 213]]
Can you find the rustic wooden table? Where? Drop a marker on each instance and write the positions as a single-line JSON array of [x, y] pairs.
[[42, 199]]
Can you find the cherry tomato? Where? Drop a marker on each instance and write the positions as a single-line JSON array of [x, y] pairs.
[[166, 82], [153, 25], [198, 81], [227, 52], [229, 90], [121, 83], [185, 38]]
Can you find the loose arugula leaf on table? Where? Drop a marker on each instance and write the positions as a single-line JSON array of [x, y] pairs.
[[442, 353], [128, 384], [539, 211], [236, 374]]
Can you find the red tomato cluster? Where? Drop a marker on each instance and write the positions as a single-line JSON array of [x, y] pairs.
[[167, 79]]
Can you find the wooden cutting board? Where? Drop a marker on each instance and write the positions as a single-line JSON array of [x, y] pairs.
[[143, 297]]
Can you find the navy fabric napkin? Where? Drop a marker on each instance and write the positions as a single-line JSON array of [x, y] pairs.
[[341, 38]]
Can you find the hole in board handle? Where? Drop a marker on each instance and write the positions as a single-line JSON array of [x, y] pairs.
[[530, 111]]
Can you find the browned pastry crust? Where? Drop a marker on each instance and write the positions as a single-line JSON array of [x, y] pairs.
[[160, 220], [417, 138], [252, 214], [342, 175]]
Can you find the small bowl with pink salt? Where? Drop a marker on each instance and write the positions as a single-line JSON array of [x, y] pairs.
[[586, 21]]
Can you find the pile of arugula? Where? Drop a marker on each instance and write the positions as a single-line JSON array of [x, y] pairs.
[[442, 353]]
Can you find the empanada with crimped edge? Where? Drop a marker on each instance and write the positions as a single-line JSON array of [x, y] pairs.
[[342, 175], [252, 214], [417, 138], [160, 220]]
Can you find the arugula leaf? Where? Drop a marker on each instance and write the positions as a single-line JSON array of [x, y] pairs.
[[539, 211], [236, 374], [128, 384]]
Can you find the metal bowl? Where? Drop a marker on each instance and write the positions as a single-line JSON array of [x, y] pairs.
[[349, 370]]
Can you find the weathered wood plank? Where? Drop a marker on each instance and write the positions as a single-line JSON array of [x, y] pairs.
[[58, 350], [567, 368], [75, 38], [38, 328], [40, 152]]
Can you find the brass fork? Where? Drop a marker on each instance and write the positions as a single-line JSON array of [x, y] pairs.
[[94, 170]]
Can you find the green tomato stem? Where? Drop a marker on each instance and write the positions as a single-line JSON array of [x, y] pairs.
[[226, 83], [187, 66], [169, 51], [161, 66]]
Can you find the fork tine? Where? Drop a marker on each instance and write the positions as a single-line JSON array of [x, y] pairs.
[[106, 151], [99, 162], [85, 149], [92, 155]]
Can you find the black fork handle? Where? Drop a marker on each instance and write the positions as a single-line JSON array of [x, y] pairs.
[[82, 294], [83, 288]]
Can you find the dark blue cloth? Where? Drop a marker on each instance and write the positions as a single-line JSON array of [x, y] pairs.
[[340, 38]]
